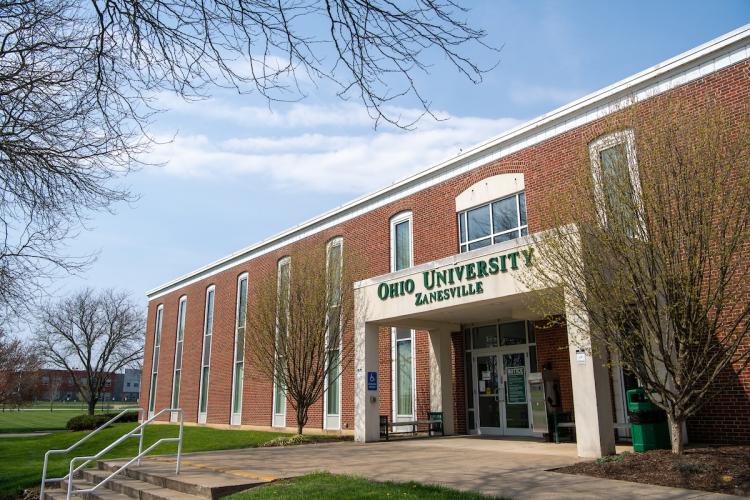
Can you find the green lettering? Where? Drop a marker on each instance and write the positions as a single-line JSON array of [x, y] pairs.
[[429, 279], [450, 275], [513, 256], [470, 273], [394, 290], [479, 287], [441, 279], [409, 287], [459, 272], [502, 264], [494, 269], [383, 291], [482, 269], [527, 255]]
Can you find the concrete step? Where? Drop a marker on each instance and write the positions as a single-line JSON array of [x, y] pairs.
[[79, 484], [134, 488], [194, 480]]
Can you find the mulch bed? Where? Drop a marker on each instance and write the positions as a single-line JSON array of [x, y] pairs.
[[721, 469]]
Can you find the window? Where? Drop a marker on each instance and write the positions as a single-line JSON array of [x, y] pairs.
[[179, 340], [279, 394], [401, 241], [238, 372], [208, 328], [334, 264], [404, 372], [616, 182], [501, 220], [155, 358]]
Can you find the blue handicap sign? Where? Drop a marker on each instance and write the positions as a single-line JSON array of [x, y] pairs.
[[372, 381]]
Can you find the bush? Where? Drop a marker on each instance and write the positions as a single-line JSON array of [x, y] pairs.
[[286, 441], [91, 422]]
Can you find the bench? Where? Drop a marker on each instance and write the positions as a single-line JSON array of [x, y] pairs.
[[434, 423], [562, 421]]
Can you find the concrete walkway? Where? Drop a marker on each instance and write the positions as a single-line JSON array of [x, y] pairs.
[[500, 467]]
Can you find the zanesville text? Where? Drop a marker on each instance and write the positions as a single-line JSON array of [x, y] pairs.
[[449, 283]]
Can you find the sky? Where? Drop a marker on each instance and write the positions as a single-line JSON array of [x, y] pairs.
[[236, 172]]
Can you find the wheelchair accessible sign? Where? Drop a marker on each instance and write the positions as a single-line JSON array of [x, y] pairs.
[[372, 381]]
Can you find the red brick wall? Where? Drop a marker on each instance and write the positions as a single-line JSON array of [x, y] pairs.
[[546, 166], [552, 347]]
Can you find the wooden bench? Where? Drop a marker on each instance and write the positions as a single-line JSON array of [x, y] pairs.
[[434, 423]]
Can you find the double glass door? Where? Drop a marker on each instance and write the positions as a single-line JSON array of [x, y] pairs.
[[501, 387]]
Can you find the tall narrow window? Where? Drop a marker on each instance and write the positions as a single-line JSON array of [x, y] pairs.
[[279, 393], [208, 328], [501, 220], [404, 373], [333, 342], [155, 360], [616, 181], [179, 340], [401, 241], [238, 372]]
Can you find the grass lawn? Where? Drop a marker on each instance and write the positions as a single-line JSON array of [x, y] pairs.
[[324, 486], [21, 458], [33, 419]]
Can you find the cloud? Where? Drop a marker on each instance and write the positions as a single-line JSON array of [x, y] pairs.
[[533, 94], [352, 158]]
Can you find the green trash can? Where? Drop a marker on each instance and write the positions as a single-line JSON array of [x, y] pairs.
[[648, 424]]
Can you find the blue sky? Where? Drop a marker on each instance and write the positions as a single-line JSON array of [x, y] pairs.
[[238, 172]]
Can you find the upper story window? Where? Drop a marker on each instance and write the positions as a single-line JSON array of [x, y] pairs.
[[500, 220], [616, 183], [401, 241]]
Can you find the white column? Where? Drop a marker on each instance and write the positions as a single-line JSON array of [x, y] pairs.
[[441, 381], [366, 402], [595, 433]]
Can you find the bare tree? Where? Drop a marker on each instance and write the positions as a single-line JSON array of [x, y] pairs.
[[649, 247], [100, 331], [296, 323], [79, 82], [19, 371], [54, 383]]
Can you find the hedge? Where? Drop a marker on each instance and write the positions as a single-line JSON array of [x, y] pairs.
[[90, 422]]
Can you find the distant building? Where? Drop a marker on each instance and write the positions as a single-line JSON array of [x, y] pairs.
[[131, 384], [59, 385]]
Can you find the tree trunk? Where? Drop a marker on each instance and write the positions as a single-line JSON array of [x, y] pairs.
[[301, 418], [675, 431], [92, 406]]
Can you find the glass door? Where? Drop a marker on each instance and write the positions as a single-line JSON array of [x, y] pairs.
[[488, 391], [516, 397]]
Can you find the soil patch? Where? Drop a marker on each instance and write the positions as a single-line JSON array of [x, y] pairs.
[[721, 469]]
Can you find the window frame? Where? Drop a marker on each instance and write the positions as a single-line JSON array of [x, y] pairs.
[[462, 221], [394, 376], [399, 218], [601, 144], [278, 419], [236, 417], [205, 381], [332, 421], [177, 382], [155, 354]]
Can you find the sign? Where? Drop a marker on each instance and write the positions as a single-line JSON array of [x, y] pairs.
[[516, 384], [457, 281], [372, 381], [580, 357]]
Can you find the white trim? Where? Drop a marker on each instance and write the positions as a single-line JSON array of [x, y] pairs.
[[490, 189], [181, 319], [397, 219], [155, 360], [333, 421], [691, 65], [202, 416], [279, 419], [236, 417]]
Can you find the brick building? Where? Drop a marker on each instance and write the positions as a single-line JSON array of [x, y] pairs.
[[477, 357]]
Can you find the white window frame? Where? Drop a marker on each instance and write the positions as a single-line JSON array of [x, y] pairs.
[[333, 421], [279, 419], [626, 137], [394, 379], [158, 321], [181, 320], [405, 216], [202, 416], [236, 417], [519, 227]]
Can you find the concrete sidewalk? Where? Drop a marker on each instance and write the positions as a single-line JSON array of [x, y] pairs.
[[499, 467]]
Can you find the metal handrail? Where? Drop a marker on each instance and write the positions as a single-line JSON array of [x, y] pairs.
[[136, 432], [78, 443]]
